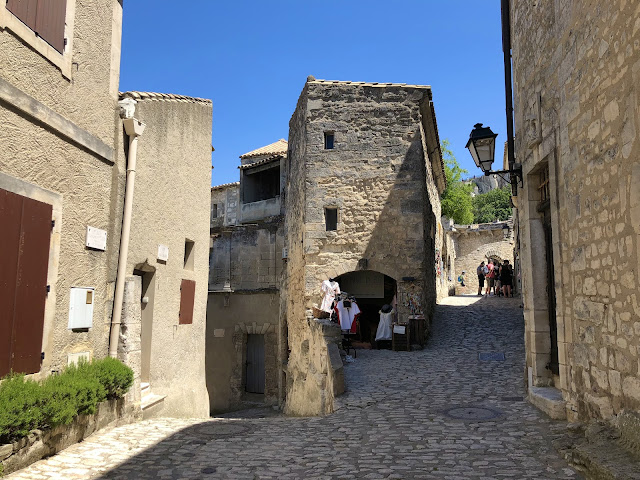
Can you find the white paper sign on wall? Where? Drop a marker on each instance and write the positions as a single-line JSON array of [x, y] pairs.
[[163, 253], [96, 238]]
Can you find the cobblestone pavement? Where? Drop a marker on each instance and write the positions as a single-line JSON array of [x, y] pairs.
[[436, 413]]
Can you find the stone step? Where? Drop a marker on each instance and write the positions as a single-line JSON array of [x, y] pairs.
[[549, 400], [150, 399], [601, 450]]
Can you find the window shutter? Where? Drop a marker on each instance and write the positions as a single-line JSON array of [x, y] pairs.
[[24, 261], [10, 214], [31, 286], [187, 295], [25, 10], [50, 18]]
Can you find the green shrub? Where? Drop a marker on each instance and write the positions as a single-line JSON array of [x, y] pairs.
[[116, 377], [25, 404], [20, 411]]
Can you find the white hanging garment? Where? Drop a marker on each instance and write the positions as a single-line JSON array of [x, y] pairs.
[[384, 327], [330, 290], [347, 315]]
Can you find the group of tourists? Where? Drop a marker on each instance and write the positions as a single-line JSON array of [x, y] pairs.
[[499, 278]]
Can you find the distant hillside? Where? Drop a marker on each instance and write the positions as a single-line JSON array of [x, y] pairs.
[[484, 184]]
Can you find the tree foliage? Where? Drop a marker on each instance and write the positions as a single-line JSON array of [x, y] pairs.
[[493, 205], [456, 199]]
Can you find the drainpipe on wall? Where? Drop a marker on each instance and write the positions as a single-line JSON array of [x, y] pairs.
[[133, 129], [506, 49]]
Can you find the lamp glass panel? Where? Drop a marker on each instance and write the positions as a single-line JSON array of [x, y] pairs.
[[474, 154]]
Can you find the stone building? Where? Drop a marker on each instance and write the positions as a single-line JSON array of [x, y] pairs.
[[243, 314], [63, 169], [60, 176], [481, 242], [364, 174], [169, 251], [576, 82]]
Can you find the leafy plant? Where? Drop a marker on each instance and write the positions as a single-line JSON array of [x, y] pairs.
[[116, 377], [456, 199], [20, 411], [26, 404], [493, 205]]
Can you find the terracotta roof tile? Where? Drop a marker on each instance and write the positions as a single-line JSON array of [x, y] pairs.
[[163, 96], [225, 185], [261, 162], [279, 147]]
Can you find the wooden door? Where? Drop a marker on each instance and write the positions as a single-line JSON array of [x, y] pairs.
[[255, 364]]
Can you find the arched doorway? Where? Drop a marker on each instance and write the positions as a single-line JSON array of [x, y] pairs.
[[372, 290]]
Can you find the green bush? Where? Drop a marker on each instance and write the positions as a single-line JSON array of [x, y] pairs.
[[20, 411], [25, 404], [116, 377]]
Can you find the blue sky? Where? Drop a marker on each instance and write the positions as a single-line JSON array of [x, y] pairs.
[[251, 58]]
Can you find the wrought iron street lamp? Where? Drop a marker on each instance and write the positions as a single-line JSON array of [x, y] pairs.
[[482, 146]]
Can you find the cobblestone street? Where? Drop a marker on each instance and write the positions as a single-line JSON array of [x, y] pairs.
[[436, 413]]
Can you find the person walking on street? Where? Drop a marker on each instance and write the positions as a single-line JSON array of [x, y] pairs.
[[506, 277], [480, 272], [489, 275]]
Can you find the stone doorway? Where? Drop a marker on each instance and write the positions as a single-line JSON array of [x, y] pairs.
[[148, 281], [372, 290], [254, 366]]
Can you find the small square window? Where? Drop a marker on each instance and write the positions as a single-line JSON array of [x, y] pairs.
[[188, 254], [331, 218], [328, 140]]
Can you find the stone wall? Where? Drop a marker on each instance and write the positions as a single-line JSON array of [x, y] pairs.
[[477, 243], [445, 263], [245, 274], [230, 318], [58, 140], [577, 80], [44, 443], [171, 208], [386, 190]]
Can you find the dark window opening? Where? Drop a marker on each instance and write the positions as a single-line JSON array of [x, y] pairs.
[[331, 219], [188, 254], [329, 138], [214, 210], [261, 185]]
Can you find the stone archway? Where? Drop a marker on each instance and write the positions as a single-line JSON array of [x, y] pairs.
[[372, 289]]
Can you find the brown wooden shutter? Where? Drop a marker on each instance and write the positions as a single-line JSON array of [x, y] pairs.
[[10, 223], [24, 261], [25, 10], [50, 18], [187, 295]]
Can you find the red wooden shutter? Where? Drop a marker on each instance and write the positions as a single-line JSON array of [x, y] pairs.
[[10, 220], [50, 19], [24, 251], [187, 295], [45, 17], [25, 10]]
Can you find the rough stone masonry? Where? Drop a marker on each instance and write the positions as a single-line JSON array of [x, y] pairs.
[[382, 171]]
